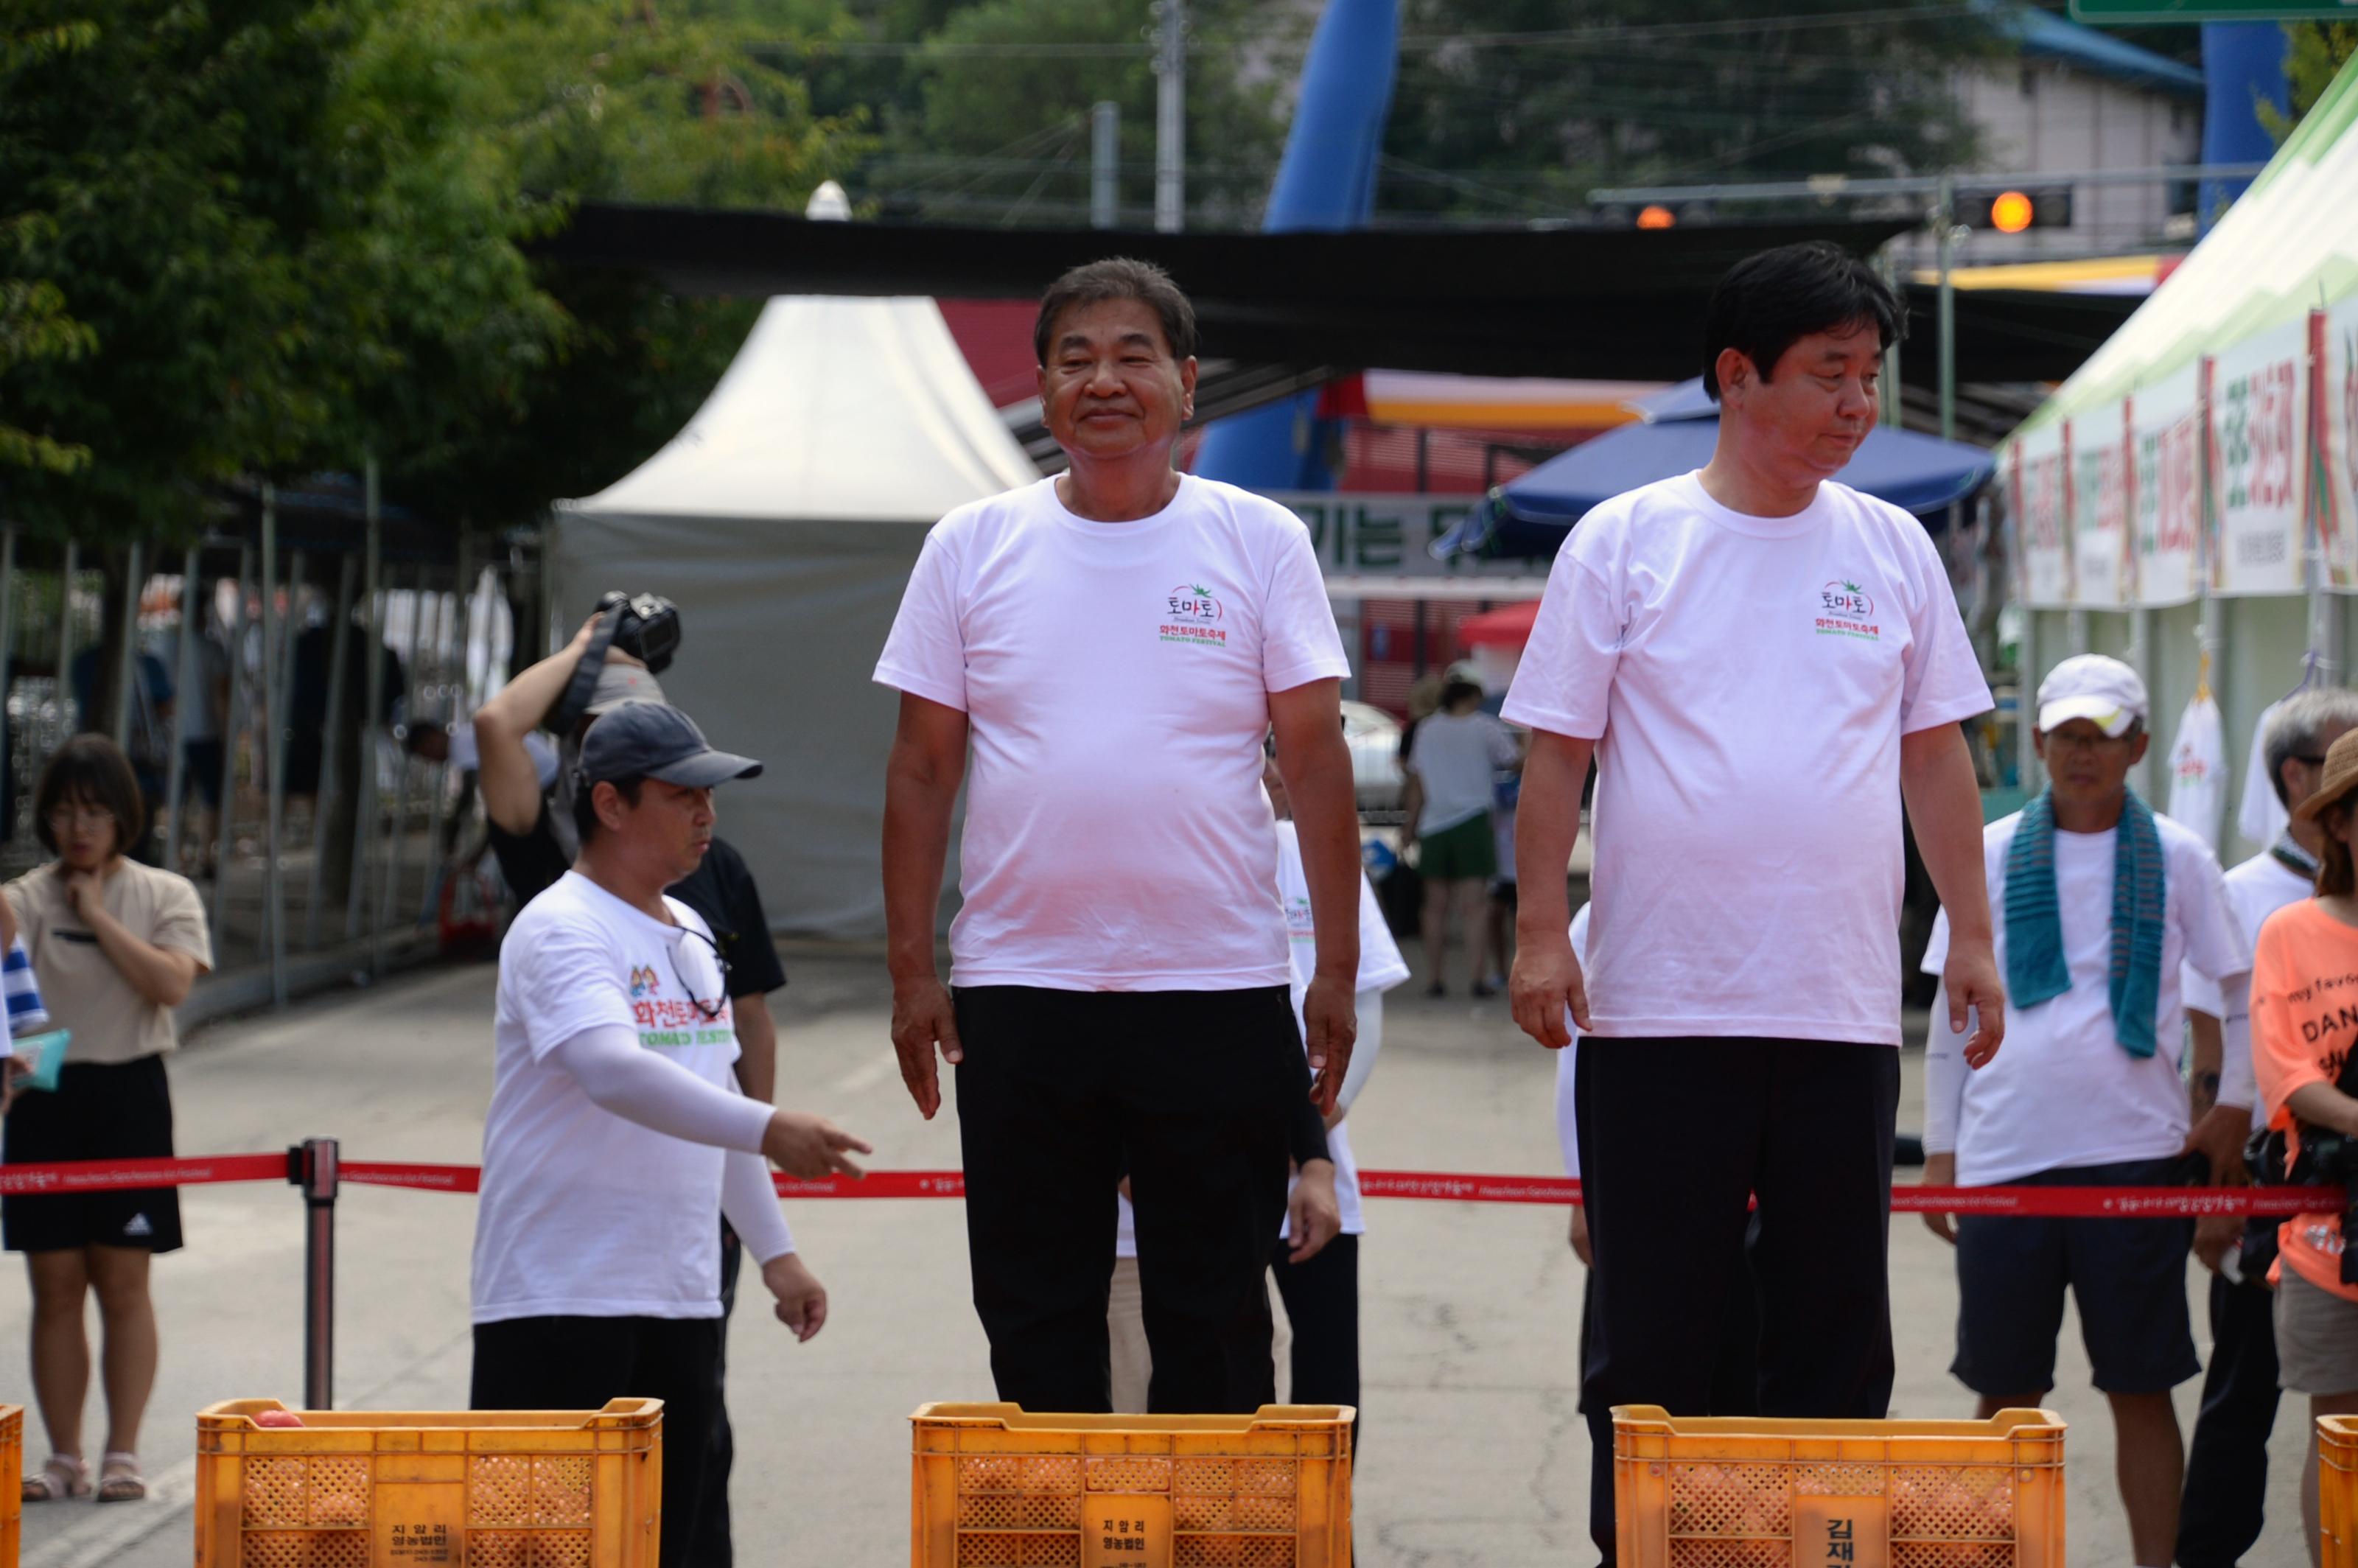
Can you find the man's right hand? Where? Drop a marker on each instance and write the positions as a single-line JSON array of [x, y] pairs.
[[923, 1017], [1941, 1170], [1580, 1244], [2216, 1235], [811, 1147], [1545, 984]]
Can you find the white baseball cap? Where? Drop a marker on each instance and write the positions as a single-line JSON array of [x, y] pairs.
[[2091, 686]]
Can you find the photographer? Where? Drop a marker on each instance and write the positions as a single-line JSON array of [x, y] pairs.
[[2304, 987], [612, 1136], [529, 825]]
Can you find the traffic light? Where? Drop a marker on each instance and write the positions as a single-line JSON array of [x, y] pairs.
[[2012, 212]]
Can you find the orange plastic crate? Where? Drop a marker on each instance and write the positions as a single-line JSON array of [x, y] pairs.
[[2337, 1490], [1741, 1493], [12, 1492], [430, 1489], [993, 1485]]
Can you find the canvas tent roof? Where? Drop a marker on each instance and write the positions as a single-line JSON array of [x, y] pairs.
[[2288, 246], [783, 521]]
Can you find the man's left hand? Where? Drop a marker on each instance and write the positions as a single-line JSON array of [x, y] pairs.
[[2216, 1235], [1972, 980], [801, 1300], [1313, 1216], [2219, 1138], [1330, 1027]]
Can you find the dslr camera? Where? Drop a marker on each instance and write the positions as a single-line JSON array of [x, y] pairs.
[[644, 625], [2325, 1160]]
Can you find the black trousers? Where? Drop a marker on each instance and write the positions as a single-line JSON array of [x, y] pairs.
[[1195, 1091], [579, 1363], [710, 1547], [1677, 1136], [1735, 1364], [1322, 1304], [2220, 1517]]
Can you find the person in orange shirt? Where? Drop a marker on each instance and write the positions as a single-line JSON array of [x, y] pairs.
[[2304, 1020]]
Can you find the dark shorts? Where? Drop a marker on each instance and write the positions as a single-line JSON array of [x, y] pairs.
[[2127, 1277], [1467, 851], [98, 1111]]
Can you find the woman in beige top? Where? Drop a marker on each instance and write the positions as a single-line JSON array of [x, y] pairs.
[[115, 946]]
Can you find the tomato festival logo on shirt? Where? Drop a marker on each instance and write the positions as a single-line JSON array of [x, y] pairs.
[[643, 981], [1845, 610], [1192, 615]]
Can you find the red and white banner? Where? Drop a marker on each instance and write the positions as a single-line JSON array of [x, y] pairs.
[[2334, 349], [2098, 442], [2166, 489], [2041, 538], [2259, 461]]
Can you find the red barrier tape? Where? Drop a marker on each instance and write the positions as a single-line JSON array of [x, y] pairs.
[[2141, 1202]]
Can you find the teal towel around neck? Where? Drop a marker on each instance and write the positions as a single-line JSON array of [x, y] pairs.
[[2034, 966]]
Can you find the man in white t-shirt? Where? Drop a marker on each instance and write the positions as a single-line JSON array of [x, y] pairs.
[[1454, 760], [615, 1129], [1108, 647], [2103, 902], [1764, 665], [2222, 1510]]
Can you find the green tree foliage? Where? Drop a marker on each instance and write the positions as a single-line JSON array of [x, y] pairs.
[[34, 324], [1516, 108], [2315, 53], [294, 231], [994, 122]]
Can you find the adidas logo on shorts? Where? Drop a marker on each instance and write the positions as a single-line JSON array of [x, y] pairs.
[[138, 1226]]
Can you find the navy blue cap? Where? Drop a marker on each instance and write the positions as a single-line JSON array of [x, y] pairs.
[[653, 741]]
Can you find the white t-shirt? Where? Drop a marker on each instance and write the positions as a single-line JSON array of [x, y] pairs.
[[2061, 1091], [1456, 757], [583, 1213], [1115, 676], [2261, 815], [1748, 680], [2256, 890], [1567, 1125], [2198, 771]]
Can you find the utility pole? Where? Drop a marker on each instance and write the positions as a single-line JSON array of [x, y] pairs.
[[1105, 165], [1170, 115]]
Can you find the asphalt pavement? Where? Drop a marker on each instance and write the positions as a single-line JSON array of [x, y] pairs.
[[1472, 1450]]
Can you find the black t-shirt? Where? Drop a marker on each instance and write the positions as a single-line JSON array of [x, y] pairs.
[[721, 889]]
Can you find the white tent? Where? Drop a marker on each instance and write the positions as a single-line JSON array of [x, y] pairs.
[[783, 521]]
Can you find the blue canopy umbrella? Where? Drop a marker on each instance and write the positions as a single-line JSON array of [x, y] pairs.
[[1530, 516]]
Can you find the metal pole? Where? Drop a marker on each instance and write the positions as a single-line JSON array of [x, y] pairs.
[[403, 767], [457, 614], [282, 716], [1945, 214], [2025, 708], [67, 707], [129, 662], [1105, 165], [274, 745], [315, 1166], [1887, 262], [331, 750], [1171, 116], [7, 656], [233, 722], [185, 674], [364, 832]]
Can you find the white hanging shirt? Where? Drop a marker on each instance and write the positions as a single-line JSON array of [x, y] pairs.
[[1115, 676], [2198, 771], [1748, 680]]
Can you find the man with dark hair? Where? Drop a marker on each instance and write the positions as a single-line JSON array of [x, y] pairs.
[[2223, 1507], [534, 842], [1110, 647], [1763, 665], [614, 1130]]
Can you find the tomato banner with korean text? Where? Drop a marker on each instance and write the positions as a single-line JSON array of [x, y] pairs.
[[2259, 447], [2166, 489], [2099, 501], [2042, 545]]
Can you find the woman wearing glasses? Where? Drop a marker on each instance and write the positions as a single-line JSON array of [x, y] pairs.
[[115, 946]]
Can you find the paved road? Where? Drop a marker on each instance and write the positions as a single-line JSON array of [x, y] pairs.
[[1473, 1454]]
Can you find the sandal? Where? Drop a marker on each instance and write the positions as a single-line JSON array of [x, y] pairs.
[[119, 1480], [64, 1476]]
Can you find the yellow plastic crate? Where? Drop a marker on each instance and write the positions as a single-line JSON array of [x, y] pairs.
[[1739, 1493], [2337, 1490], [12, 1470], [993, 1485], [430, 1489]]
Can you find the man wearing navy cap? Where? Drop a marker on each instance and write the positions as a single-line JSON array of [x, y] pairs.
[[615, 1128]]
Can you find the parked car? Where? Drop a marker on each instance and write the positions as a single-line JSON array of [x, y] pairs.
[[1374, 737]]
